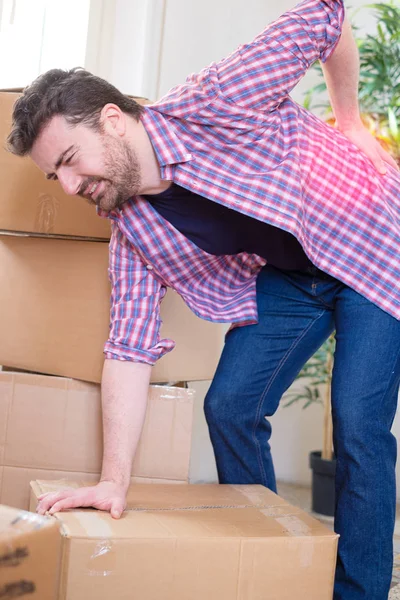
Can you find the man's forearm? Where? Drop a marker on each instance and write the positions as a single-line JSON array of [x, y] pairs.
[[341, 71], [124, 400]]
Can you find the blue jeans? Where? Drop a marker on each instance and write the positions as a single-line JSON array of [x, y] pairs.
[[297, 312]]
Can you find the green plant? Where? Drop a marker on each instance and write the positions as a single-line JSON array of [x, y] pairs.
[[318, 372], [379, 85]]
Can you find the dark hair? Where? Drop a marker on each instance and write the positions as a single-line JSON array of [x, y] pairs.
[[76, 94]]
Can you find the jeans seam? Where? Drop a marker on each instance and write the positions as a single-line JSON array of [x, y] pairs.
[[267, 388], [380, 462]]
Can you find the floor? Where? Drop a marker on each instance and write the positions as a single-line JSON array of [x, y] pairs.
[[301, 496]]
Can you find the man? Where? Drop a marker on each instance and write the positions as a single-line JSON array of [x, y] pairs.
[[258, 214]]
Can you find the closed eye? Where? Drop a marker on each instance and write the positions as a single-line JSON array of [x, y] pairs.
[[53, 176], [69, 159]]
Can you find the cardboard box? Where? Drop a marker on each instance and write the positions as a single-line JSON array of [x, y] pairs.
[[30, 203], [217, 542], [54, 314], [51, 428], [30, 554]]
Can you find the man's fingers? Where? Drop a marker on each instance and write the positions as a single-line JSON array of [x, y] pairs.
[[377, 159], [103, 496], [389, 159], [71, 502], [49, 495], [117, 509], [379, 164], [381, 167], [47, 501]]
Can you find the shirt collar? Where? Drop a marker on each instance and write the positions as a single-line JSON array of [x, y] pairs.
[[167, 146]]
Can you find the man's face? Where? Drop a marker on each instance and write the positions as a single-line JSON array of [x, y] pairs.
[[97, 165]]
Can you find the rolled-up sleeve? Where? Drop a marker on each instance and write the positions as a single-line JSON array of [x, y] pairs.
[[262, 73], [136, 296]]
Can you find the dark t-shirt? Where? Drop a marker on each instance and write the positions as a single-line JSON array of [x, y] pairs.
[[219, 230]]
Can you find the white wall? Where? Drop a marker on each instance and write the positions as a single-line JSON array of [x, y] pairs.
[[36, 36], [153, 45], [125, 43]]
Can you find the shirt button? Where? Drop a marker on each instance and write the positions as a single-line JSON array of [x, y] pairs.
[[149, 267]]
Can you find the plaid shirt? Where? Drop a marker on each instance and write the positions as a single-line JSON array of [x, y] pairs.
[[232, 134]]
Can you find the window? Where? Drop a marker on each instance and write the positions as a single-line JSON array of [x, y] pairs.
[[39, 35]]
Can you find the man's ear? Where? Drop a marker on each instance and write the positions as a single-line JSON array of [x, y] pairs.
[[113, 120]]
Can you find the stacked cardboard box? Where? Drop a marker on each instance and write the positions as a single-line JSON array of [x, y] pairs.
[[54, 314], [30, 203], [54, 320], [51, 427]]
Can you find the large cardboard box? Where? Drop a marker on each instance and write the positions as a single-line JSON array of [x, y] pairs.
[[30, 203], [51, 428], [30, 555], [217, 542], [54, 314]]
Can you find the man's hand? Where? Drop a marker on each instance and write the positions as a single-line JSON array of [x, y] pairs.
[[365, 141], [106, 495], [341, 71]]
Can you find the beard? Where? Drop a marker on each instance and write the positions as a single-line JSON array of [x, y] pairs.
[[122, 176]]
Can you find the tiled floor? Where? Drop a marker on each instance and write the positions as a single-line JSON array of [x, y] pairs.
[[301, 496]]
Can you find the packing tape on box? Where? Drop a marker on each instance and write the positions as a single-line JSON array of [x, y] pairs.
[[104, 551], [295, 527], [200, 507], [102, 561]]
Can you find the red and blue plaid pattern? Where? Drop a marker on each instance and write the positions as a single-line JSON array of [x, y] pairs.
[[233, 134]]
